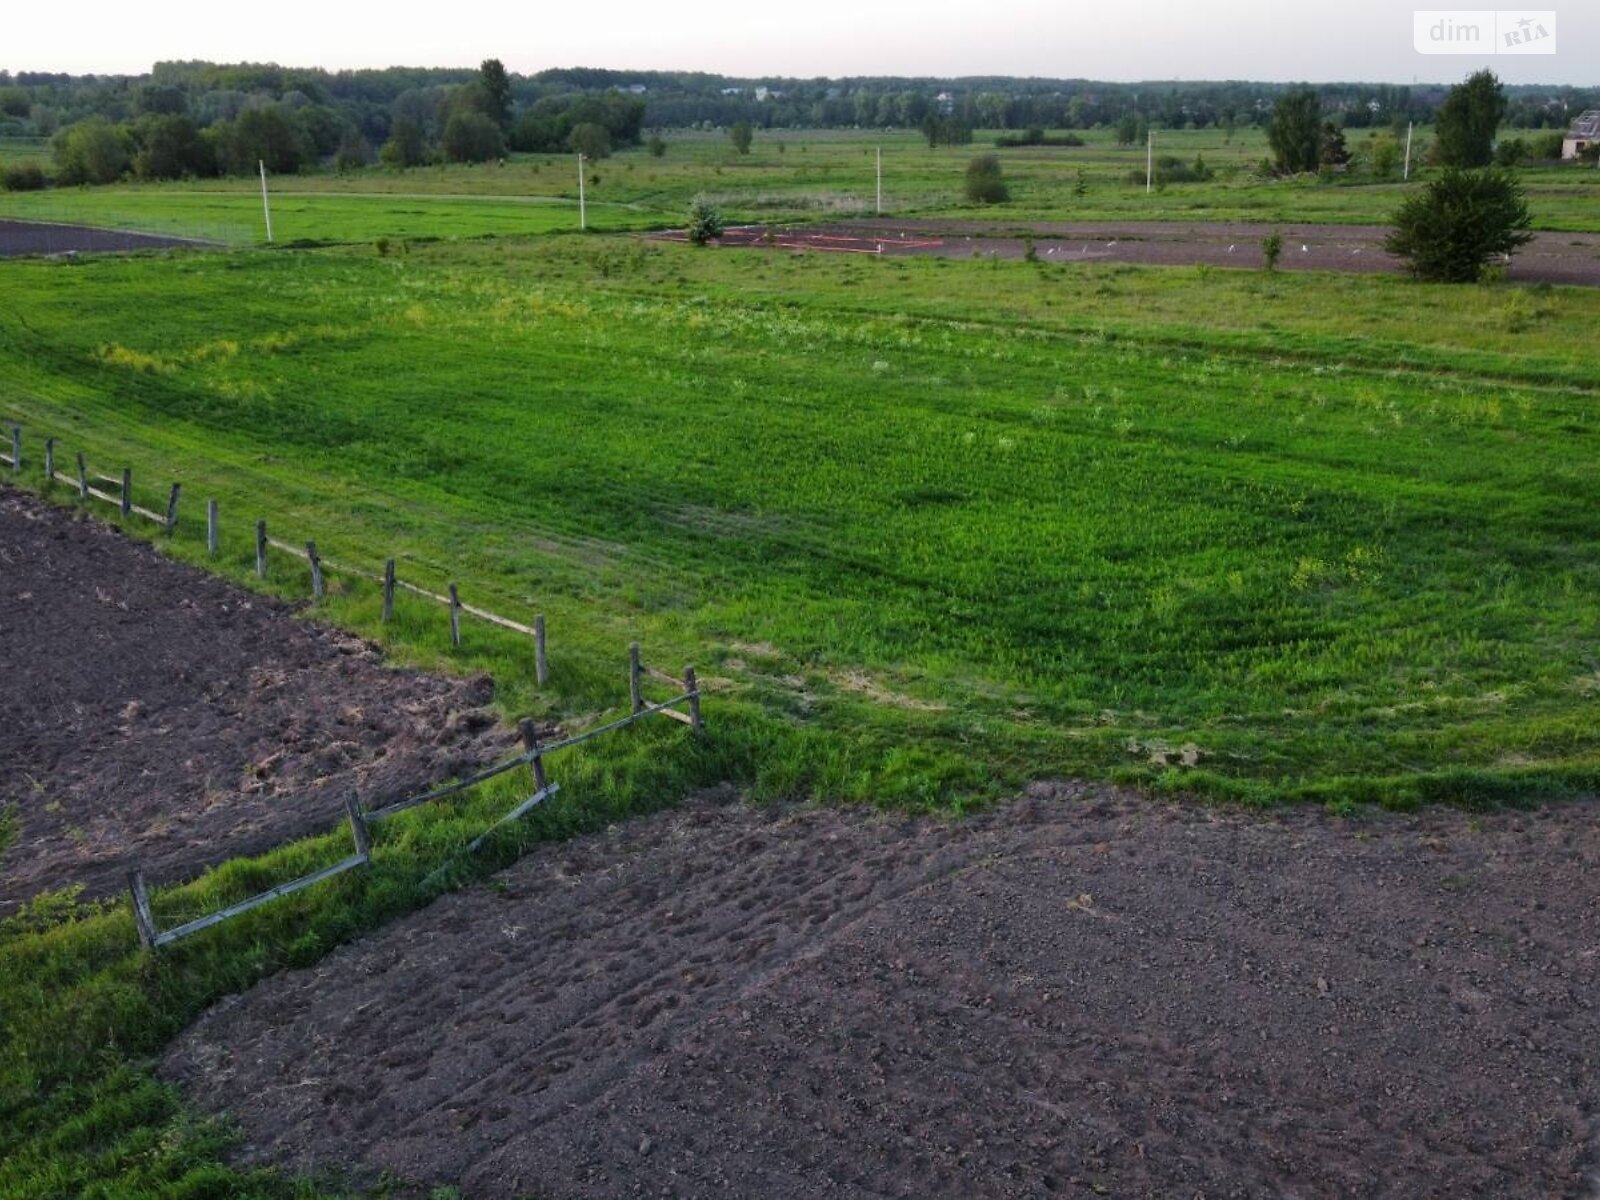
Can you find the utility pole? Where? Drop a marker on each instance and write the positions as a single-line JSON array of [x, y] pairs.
[[583, 215], [1149, 159], [266, 209], [1407, 176], [880, 181]]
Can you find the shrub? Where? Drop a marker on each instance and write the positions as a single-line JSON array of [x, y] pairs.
[[1450, 230], [657, 145], [984, 182], [23, 177], [705, 222], [740, 135], [1272, 249], [93, 151]]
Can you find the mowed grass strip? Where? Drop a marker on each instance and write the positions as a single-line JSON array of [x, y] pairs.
[[1025, 530]]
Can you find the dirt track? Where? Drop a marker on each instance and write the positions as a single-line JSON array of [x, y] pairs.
[[154, 715], [1572, 258], [19, 238], [1080, 993]]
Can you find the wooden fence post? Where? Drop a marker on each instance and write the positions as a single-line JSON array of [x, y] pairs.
[[172, 509], [455, 617], [635, 692], [358, 827], [213, 536], [83, 478], [49, 460], [530, 743], [541, 664], [316, 570], [127, 491], [261, 549], [16, 447], [388, 590], [141, 910], [692, 686]]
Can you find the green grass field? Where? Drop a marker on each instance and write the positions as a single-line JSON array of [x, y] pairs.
[[788, 176], [928, 528]]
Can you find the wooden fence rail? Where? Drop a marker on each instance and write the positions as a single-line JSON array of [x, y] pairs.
[[532, 756]]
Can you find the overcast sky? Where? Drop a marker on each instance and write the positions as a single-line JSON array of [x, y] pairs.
[[1120, 40]]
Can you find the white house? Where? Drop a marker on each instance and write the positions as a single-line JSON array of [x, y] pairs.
[[1585, 132]]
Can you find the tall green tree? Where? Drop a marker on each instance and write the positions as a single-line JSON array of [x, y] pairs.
[[472, 137], [590, 140], [1295, 133], [496, 87], [405, 147], [1467, 120]]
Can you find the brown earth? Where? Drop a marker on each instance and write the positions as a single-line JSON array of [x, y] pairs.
[[153, 715], [1079, 993], [18, 238], [1572, 258]]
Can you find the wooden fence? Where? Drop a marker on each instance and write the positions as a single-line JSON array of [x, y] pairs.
[[117, 490], [90, 486], [532, 756]]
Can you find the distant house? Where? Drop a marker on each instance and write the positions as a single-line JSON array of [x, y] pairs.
[[637, 89], [1585, 132]]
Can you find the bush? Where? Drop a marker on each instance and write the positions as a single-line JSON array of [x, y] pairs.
[[1038, 137], [657, 145], [23, 177], [1272, 249], [740, 135], [1449, 231], [984, 182], [705, 222], [1170, 169], [93, 151]]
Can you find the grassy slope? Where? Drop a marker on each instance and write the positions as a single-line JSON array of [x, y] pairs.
[[788, 175], [928, 527]]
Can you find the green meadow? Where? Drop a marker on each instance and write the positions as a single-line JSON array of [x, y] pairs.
[[928, 528], [788, 176]]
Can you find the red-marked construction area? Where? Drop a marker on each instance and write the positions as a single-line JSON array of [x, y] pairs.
[[157, 717], [1077, 993], [1550, 258]]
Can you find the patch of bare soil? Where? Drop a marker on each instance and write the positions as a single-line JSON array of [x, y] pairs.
[[18, 238], [1572, 258], [1077, 993], [153, 715]]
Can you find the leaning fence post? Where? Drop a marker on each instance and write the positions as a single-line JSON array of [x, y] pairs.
[[530, 743], [358, 828], [635, 692], [455, 617], [83, 478], [316, 569], [388, 590], [541, 664], [211, 528], [172, 509], [16, 447], [692, 686], [127, 491], [261, 549], [49, 460], [141, 910]]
